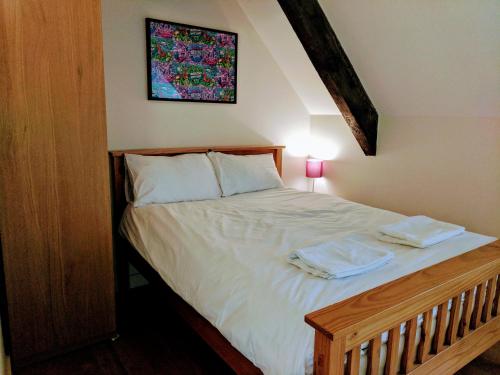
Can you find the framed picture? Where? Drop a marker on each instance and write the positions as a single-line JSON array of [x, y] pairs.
[[190, 63]]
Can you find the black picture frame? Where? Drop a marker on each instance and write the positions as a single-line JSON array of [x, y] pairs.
[[150, 93]]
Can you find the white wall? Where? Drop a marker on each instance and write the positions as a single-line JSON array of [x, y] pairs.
[[268, 110], [423, 57], [431, 69], [447, 168]]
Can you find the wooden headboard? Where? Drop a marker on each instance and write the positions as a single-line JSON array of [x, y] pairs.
[[117, 166]]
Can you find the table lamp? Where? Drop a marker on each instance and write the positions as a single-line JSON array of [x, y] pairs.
[[314, 169]]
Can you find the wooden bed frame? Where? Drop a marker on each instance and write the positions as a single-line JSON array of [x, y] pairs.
[[341, 328]]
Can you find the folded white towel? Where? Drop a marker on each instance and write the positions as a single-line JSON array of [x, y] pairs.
[[419, 231], [339, 258]]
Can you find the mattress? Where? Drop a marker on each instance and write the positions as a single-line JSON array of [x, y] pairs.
[[228, 259]]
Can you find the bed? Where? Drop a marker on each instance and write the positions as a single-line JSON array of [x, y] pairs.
[[223, 265]]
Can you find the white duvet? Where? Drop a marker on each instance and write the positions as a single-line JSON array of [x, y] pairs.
[[228, 259]]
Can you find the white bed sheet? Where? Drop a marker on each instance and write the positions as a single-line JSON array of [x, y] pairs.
[[228, 259]]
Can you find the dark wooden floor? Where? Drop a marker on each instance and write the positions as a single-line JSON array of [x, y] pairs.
[[155, 341]]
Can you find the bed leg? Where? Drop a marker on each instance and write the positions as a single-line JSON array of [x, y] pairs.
[[328, 354], [122, 284]]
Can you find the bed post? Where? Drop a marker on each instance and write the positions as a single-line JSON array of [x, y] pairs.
[[328, 354], [122, 284], [278, 160]]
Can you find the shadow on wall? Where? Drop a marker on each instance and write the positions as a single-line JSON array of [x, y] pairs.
[[444, 167]]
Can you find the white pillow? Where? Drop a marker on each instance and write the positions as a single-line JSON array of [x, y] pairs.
[[165, 179], [245, 173]]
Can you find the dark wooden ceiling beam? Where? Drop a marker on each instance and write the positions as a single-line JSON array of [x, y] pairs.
[[334, 68]]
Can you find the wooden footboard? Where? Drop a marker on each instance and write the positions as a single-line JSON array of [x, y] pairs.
[[470, 283]]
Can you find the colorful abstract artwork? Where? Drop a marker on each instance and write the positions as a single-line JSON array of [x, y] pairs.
[[190, 63]]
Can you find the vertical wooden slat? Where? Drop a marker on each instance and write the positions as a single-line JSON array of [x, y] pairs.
[[463, 328], [488, 302], [407, 361], [451, 332], [424, 345], [496, 300], [475, 320], [374, 355], [391, 361], [328, 355], [439, 333], [352, 367]]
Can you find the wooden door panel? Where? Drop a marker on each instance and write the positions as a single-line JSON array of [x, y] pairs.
[[54, 190]]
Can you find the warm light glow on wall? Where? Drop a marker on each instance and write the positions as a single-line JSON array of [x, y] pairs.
[[298, 144], [303, 144], [324, 149]]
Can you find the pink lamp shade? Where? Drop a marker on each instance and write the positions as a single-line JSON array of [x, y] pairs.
[[314, 168]]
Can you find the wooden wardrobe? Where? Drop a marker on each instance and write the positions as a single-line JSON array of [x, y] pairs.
[[55, 221]]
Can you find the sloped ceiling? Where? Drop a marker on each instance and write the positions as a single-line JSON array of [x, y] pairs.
[[276, 33], [423, 57], [413, 57]]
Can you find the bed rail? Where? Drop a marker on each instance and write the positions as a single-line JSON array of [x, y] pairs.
[[470, 283]]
